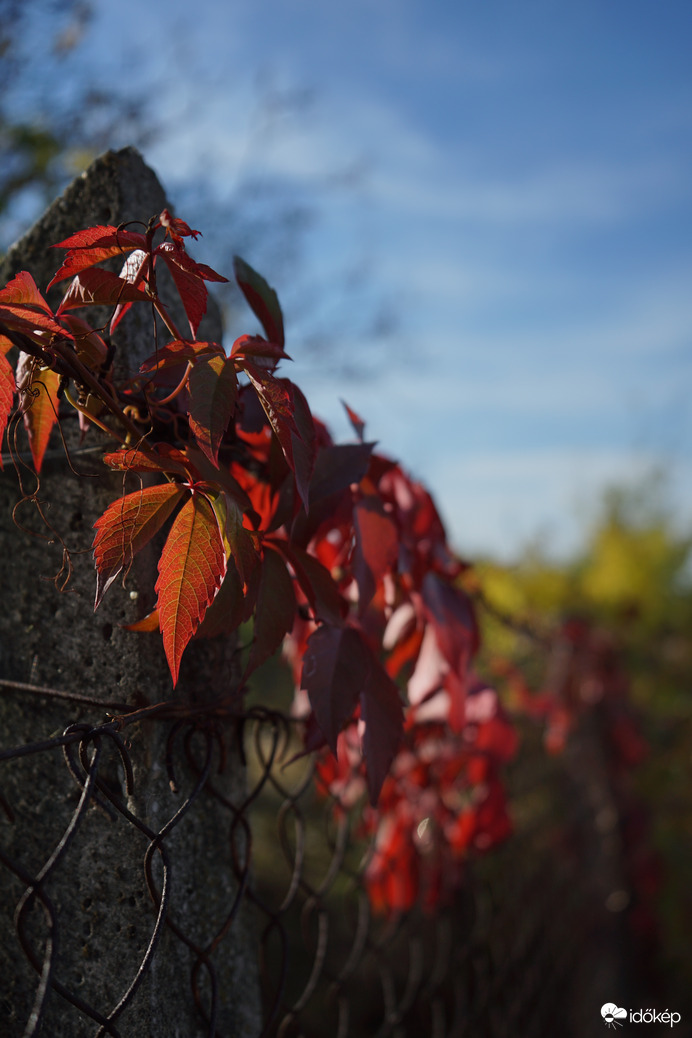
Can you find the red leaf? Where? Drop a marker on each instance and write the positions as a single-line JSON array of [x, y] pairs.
[[337, 467], [191, 569], [213, 391], [38, 389], [290, 418], [275, 611], [100, 288], [339, 671], [392, 877], [23, 289], [237, 540], [126, 526], [103, 236], [177, 351], [254, 347], [93, 245], [175, 227], [376, 550], [27, 318], [451, 613], [218, 477], [335, 671], [88, 344], [227, 611], [140, 459], [316, 583], [262, 299], [355, 420], [189, 278], [146, 625], [304, 443], [135, 269], [7, 390], [381, 710]]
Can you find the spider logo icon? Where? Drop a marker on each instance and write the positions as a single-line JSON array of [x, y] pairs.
[[613, 1016]]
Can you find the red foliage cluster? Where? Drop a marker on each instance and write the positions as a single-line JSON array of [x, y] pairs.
[[584, 670], [264, 516], [443, 798], [331, 549]]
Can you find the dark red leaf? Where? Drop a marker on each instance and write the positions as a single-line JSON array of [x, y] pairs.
[[355, 420], [376, 550], [275, 611], [189, 278], [177, 351], [338, 467], [316, 583], [227, 611], [290, 418], [97, 287], [220, 477], [451, 613], [262, 299], [257, 349], [213, 392], [335, 672], [382, 712], [88, 344], [304, 443], [238, 541]]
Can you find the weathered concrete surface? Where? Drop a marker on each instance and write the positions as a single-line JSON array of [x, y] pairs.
[[53, 638]]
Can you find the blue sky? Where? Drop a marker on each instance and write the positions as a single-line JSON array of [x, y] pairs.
[[524, 207]]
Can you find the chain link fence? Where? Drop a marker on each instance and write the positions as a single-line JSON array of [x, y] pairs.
[[535, 937]]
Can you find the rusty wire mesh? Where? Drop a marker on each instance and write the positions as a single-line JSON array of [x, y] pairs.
[[528, 941]]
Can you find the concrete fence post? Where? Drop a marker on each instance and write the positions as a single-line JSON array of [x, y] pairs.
[[103, 915]]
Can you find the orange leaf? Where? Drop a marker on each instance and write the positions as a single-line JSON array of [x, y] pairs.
[[23, 289], [39, 396], [191, 568], [146, 625], [7, 388], [163, 458], [126, 526]]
